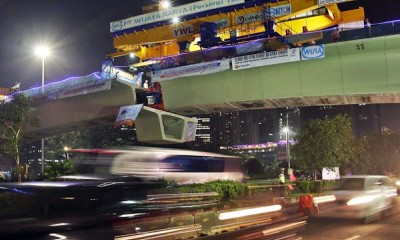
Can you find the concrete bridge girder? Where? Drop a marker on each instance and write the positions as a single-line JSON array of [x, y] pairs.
[[354, 72], [80, 111]]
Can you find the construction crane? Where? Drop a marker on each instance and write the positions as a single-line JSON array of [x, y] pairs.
[[162, 32]]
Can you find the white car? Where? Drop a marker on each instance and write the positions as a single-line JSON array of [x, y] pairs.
[[367, 197]]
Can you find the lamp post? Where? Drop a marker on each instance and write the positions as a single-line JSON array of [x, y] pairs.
[[165, 4], [286, 131], [67, 149], [42, 52]]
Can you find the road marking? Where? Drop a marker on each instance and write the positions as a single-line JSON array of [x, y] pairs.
[[352, 238]]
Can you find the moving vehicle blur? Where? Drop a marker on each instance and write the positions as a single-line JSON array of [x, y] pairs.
[[181, 166], [367, 197], [134, 210]]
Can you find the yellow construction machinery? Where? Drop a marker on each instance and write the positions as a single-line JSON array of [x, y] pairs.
[[166, 32]]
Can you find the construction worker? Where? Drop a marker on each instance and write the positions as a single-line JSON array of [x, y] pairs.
[[281, 178]]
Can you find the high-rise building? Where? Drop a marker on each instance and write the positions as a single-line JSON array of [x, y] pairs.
[[225, 128], [203, 132], [245, 127], [364, 118]]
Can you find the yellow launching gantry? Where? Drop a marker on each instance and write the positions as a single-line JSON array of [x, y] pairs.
[[162, 32]]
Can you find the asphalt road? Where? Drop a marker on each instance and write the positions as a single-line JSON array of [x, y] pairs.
[[328, 228]]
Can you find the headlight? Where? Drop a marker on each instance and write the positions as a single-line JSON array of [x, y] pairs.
[[360, 200]]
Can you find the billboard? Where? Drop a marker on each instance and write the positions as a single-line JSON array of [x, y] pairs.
[[178, 11], [312, 52], [330, 174], [266, 58], [127, 115], [191, 70]]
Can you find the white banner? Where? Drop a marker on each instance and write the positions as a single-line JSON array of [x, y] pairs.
[[269, 12], [328, 174], [266, 58], [190, 134], [190, 70], [85, 89], [251, 17], [312, 52], [127, 115], [178, 11], [279, 10], [325, 2]]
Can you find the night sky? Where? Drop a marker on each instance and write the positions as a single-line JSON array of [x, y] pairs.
[[78, 31]]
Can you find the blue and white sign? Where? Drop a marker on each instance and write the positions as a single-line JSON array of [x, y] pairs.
[[330, 173], [127, 115], [222, 23], [266, 58], [259, 16], [179, 11], [279, 11], [191, 70], [312, 52], [248, 18]]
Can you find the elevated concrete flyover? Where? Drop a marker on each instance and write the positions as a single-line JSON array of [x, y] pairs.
[[68, 107], [361, 71], [80, 107]]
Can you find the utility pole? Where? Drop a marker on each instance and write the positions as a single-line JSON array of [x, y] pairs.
[[287, 140]]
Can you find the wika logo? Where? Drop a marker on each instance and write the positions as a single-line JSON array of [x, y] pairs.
[[313, 52]]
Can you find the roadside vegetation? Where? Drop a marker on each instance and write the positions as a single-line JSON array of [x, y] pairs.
[[16, 113]]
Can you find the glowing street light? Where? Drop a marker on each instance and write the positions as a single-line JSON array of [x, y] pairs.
[[286, 130], [67, 149], [165, 4], [175, 20], [42, 52]]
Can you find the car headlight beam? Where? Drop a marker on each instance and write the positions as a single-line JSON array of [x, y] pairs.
[[360, 200]]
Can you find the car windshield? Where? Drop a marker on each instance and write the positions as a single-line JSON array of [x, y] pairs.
[[351, 184]]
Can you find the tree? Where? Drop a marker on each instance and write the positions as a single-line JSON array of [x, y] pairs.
[[254, 168], [55, 145], [15, 114], [57, 169], [325, 143], [107, 136], [361, 163], [383, 153]]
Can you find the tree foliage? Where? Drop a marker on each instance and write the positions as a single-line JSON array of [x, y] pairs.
[[15, 115], [325, 143], [57, 169], [55, 145], [383, 153], [254, 168], [107, 136], [360, 164], [99, 137]]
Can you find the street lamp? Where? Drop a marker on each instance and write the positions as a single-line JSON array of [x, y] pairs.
[[42, 52], [286, 131], [175, 20], [67, 149], [165, 4]]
